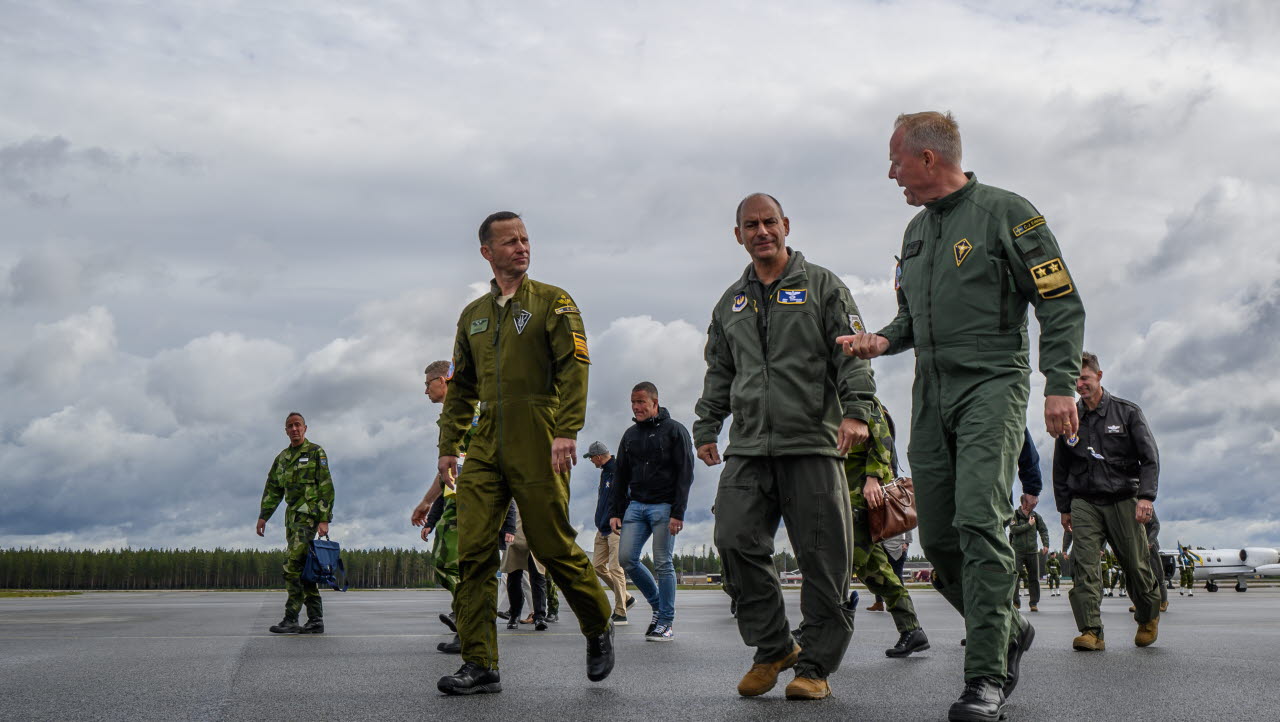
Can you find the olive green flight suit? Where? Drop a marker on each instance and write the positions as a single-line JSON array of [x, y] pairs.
[[1022, 537], [874, 457], [300, 477], [773, 364], [970, 264], [526, 361]]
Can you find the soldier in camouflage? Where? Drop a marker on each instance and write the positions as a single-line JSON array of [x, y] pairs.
[[1188, 580], [300, 478], [1053, 566], [869, 466]]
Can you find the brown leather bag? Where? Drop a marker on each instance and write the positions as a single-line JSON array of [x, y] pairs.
[[898, 512]]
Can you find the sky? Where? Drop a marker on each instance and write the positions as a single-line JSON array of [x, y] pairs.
[[217, 213]]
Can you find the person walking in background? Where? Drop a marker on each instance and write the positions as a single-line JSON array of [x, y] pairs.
[[605, 554]]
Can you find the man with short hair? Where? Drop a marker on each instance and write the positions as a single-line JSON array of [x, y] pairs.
[[1104, 484], [605, 552], [521, 349], [650, 493], [300, 478], [798, 406], [1027, 522], [972, 260]]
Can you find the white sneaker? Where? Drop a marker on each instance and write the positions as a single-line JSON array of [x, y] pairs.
[[660, 633]]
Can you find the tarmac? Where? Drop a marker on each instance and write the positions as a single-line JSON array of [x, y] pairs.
[[208, 656]]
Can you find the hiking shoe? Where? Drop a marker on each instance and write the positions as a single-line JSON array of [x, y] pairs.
[[448, 621], [808, 688], [540, 625], [913, 640], [1089, 642], [982, 700], [600, 655], [313, 626], [660, 633], [553, 618], [1147, 633], [619, 620], [286, 626], [1164, 606], [453, 646], [1020, 644], [513, 624], [1034, 608], [1132, 609], [877, 607], [471, 678], [764, 675]]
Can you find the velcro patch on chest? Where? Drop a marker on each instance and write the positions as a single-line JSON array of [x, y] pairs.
[[739, 302], [580, 347], [479, 325], [793, 296], [521, 320], [1028, 225], [912, 249], [1115, 428], [304, 460], [1052, 279], [962, 249]]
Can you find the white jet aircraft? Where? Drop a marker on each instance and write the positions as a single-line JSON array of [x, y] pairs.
[[1215, 564]]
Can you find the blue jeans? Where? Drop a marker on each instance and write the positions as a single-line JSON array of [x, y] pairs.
[[639, 523]]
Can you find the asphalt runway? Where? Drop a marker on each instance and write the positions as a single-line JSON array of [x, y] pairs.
[[208, 656]]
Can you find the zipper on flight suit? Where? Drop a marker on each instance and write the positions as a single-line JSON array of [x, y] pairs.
[[497, 369], [933, 336]]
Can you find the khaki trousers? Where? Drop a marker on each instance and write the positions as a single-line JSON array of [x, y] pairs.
[[605, 560]]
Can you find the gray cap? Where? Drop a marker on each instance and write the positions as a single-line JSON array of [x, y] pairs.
[[597, 448]]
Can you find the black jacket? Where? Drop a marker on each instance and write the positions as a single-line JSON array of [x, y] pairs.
[[1115, 458], [655, 465], [1029, 466], [604, 496]]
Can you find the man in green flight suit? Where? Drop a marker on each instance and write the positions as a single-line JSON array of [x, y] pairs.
[[1022, 536], [300, 478], [521, 350], [972, 260], [869, 467], [798, 406]]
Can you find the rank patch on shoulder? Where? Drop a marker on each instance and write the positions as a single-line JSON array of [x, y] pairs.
[[793, 296], [1052, 279], [479, 325], [568, 309], [580, 347], [962, 248], [521, 319], [855, 323], [739, 302], [1027, 225]]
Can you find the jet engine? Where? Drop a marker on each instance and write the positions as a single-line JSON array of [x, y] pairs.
[[1259, 556]]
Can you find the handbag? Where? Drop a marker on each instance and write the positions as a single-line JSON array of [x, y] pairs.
[[897, 515], [324, 564]]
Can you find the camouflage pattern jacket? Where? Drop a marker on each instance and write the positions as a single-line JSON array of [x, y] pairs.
[[300, 478]]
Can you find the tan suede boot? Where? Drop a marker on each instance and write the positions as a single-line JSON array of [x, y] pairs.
[[1147, 633], [807, 688], [1088, 642], [763, 676]]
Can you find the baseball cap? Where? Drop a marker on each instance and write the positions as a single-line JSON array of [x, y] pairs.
[[597, 448]]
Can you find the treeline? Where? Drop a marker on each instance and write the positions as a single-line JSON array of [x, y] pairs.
[[198, 568]]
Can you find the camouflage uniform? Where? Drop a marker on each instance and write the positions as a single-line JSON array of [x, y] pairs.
[[444, 552], [300, 477], [1054, 567], [1109, 573], [871, 565], [1188, 580]]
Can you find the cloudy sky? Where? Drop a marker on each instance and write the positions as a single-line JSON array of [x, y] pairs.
[[217, 213]]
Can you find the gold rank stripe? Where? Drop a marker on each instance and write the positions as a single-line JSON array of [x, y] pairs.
[[580, 347], [1027, 225], [1052, 279]]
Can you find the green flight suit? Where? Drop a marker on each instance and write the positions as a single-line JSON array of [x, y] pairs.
[[526, 362], [300, 478], [871, 564], [970, 264], [1022, 537], [772, 362]]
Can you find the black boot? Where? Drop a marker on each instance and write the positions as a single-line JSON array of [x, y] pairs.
[[448, 621], [470, 679], [981, 701], [1020, 644], [540, 624], [913, 640], [600, 655], [315, 625], [451, 647], [286, 626]]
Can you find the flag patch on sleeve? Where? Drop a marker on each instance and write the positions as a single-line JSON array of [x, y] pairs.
[[1028, 225]]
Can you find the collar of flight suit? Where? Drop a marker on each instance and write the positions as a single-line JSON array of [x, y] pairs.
[[497, 292], [953, 199], [794, 269]]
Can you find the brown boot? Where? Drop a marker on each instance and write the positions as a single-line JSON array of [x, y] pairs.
[[808, 688], [1034, 608], [764, 675], [877, 607], [1146, 635], [1132, 609], [1088, 642], [1164, 606]]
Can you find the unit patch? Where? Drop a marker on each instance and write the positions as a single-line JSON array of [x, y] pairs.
[[792, 296], [855, 323], [580, 347], [522, 320], [1052, 279], [479, 325], [739, 302], [324, 460], [1027, 225], [962, 248]]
